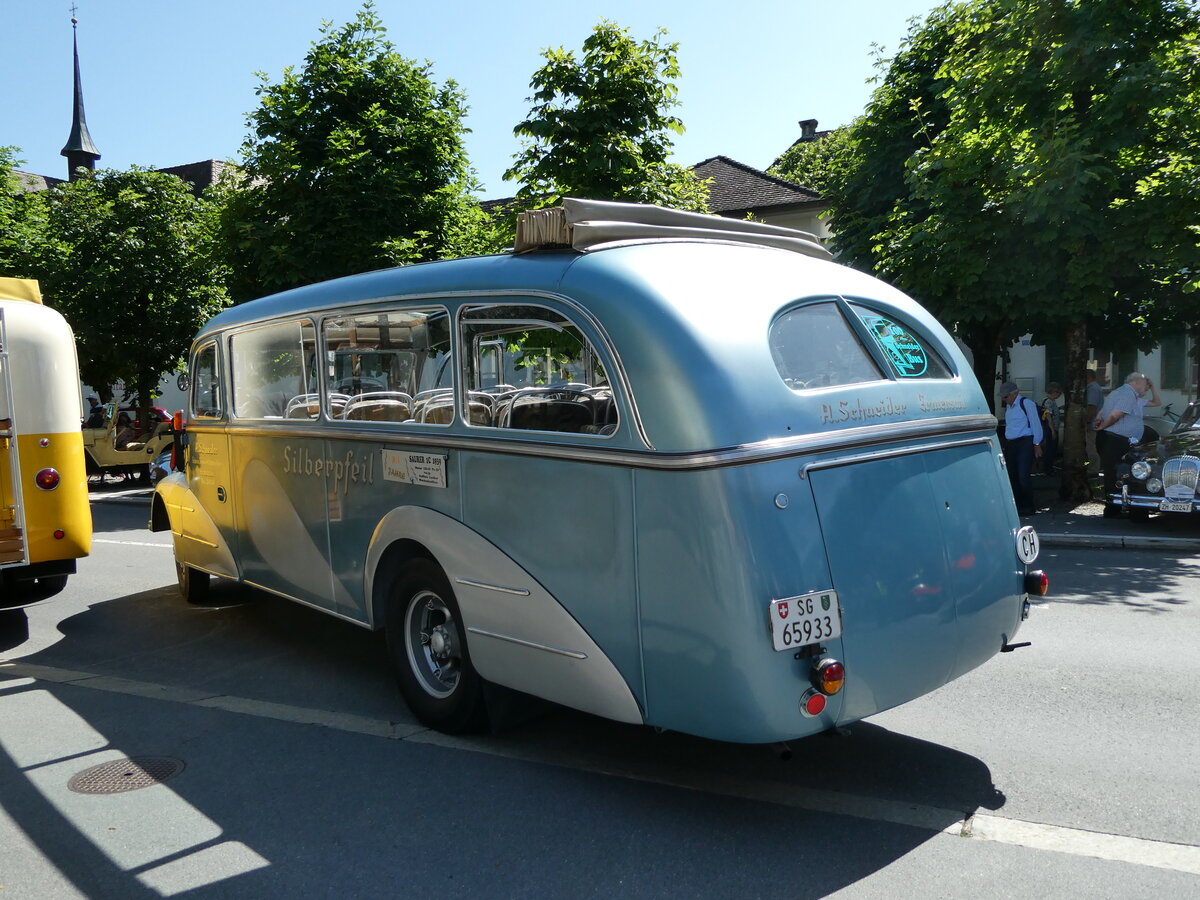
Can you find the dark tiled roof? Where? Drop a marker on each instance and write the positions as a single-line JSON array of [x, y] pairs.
[[199, 174], [736, 189], [27, 181]]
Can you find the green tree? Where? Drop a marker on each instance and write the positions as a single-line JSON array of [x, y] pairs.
[[353, 163], [600, 126], [814, 163], [132, 266], [22, 220], [1032, 164]]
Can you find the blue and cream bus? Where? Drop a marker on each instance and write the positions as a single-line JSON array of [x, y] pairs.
[[661, 467]]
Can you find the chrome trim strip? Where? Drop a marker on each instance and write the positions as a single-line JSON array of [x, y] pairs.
[[886, 454], [781, 448], [520, 592], [196, 540], [325, 609], [573, 654]]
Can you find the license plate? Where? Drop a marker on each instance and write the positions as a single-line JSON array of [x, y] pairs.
[[799, 621], [1175, 506]]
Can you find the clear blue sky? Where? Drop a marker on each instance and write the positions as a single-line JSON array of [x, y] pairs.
[[168, 82]]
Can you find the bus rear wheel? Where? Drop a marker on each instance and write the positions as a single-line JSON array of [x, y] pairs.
[[427, 644], [193, 584]]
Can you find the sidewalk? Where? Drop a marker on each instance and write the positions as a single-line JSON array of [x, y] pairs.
[[1061, 524]]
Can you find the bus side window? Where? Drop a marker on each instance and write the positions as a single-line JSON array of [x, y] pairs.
[[206, 393], [270, 369], [390, 366], [531, 368]]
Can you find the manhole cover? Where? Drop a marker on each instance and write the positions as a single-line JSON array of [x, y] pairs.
[[125, 775]]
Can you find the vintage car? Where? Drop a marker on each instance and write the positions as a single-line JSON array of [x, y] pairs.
[[104, 457], [1161, 475]]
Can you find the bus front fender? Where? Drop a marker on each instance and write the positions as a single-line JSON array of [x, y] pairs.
[[198, 540]]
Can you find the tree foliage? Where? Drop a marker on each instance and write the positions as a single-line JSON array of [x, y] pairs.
[[130, 261], [1032, 162], [600, 126], [22, 220], [814, 163], [353, 163]]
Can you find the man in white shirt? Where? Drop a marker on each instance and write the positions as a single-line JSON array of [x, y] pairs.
[[1119, 425], [1022, 443]]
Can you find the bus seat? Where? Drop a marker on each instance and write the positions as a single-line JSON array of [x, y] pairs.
[[479, 413], [303, 406]]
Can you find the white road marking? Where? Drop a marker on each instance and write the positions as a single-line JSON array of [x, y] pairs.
[[978, 826], [166, 546]]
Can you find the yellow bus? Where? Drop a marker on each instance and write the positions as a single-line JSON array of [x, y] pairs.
[[45, 519]]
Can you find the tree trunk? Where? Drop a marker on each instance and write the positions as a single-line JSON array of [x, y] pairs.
[[1075, 487], [984, 342]]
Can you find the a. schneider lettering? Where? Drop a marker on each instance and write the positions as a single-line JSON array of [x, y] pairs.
[[887, 408], [845, 411], [344, 471]]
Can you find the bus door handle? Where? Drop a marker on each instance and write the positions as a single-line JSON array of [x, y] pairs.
[[221, 494]]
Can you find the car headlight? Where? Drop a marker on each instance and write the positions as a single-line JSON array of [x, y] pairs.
[[1154, 485], [1140, 470]]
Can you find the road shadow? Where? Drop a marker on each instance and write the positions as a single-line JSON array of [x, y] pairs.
[[1151, 582], [327, 809], [14, 628]]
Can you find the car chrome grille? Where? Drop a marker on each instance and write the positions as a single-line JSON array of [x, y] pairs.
[[1182, 470]]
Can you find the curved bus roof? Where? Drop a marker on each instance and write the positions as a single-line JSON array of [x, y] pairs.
[[689, 319]]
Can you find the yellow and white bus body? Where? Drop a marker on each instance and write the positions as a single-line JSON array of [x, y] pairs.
[[45, 519]]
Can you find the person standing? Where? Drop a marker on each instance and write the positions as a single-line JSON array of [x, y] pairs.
[[1119, 425], [95, 416], [1023, 443], [1094, 399], [1051, 414]]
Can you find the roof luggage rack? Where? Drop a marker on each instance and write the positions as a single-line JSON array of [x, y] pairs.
[[587, 224]]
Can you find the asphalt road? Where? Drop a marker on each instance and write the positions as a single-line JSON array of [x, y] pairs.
[[1065, 769]]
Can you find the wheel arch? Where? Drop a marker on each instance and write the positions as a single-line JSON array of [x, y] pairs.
[[392, 560], [160, 520], [521, 637]]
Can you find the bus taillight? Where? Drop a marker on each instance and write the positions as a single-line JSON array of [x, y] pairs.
[[47, 479], [828, 676]]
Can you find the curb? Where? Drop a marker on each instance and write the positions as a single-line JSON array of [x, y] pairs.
[[1118, 542]]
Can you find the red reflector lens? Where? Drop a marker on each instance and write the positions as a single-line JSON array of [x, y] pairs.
[[59, 534], [47, 479], [1037, 582], [813, 704]]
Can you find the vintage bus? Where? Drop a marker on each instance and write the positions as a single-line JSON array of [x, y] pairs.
[[45, 519], [662, 467]]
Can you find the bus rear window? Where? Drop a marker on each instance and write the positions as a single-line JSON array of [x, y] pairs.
[[814, 347]]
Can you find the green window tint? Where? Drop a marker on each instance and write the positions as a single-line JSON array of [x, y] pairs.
[[907, 355]]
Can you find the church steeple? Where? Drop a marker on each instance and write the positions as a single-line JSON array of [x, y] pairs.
[[79, 150]]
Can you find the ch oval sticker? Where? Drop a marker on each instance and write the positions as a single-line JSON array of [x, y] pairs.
[[1027, 544]]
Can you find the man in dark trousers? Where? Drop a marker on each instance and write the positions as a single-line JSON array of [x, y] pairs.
[[1023, 442]]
